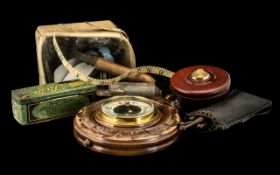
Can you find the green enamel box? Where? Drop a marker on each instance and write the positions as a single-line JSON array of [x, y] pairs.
[[43, 103]]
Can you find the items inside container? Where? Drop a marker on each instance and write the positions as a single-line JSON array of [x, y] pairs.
[[111, 49]]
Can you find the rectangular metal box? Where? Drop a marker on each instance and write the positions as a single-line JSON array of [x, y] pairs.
[[43, 103]]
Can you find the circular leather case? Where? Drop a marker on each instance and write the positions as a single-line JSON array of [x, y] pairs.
[[200, 83]]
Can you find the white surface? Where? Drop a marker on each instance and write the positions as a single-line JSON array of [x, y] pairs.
[[83, 68], [61, 72]]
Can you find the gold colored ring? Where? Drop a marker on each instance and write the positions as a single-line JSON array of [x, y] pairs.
[[127, 121], [127, 111]]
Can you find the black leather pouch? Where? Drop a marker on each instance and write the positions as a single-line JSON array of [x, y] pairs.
[[236, 108]]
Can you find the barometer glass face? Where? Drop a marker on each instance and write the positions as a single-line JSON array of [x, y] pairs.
[[127, 109]]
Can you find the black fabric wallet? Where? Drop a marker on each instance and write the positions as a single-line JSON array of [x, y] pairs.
[[236, 108]]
